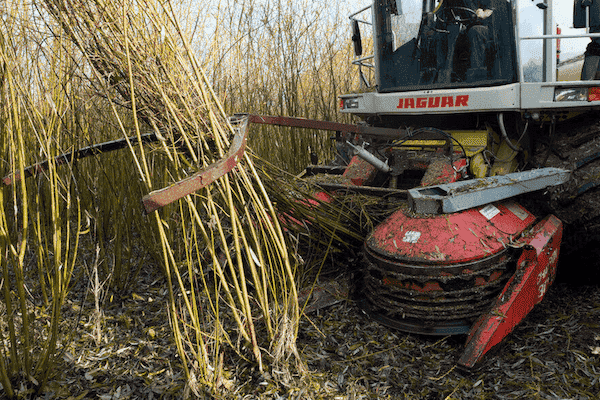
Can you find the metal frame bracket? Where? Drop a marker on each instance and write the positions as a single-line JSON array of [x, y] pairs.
[[459, 196]]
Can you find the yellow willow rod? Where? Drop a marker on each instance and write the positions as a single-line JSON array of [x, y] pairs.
[[244, 300], [57, 306], [214, 306], [232, 270], [184, 101], [274, 222], [199, 72], [172, 111], [187, 342], [188, 259], [278, 280], [222, 276], [69, 270], [277, 232], [133, 104], [4, 378], [164, 145], [199, 88], [22, 240], [10, 250], [271, 223], [7, 127], [262, 294], [177, 336], [62, 276], [171, 259], [261, 286], [217, 264], [153, 15], [221, 138], [40, 253], [214, 124], [172, 309], [123, 130], [195, 316], [210, 245], [275, 274], [279, 235], [218, 329], [273, 257]]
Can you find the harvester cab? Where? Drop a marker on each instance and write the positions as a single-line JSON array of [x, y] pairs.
[[465, 257], [447, 44], [449, 57]]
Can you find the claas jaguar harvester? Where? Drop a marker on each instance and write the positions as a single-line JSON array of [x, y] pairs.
[[446, 100], [466, 257]]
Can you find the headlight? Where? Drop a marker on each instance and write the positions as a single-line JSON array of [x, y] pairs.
[[571, 94], [349, 103]]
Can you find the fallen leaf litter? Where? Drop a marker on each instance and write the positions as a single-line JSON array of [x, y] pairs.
[[553, 354]]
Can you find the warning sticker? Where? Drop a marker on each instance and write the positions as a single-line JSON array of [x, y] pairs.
[[489, 211], [411, 237]]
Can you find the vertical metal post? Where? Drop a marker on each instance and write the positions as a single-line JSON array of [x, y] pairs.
[[515, 16], [587, 19], [376, 20], [549, 49]]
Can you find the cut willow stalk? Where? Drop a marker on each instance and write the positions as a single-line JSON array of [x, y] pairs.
[[175, 93], [134, 113], [200, 343], [243, 295], [17, 150]]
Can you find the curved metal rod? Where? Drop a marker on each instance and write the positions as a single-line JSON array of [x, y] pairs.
[[204, 177]]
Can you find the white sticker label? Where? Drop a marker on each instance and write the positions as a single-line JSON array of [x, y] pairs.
[[489, 211], [517, 210], [411, 237]]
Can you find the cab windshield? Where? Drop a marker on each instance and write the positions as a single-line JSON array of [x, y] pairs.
[[429, 44]]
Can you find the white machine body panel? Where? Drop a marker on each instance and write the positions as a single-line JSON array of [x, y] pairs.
[[499, 98], [520, 97], [541, 96]]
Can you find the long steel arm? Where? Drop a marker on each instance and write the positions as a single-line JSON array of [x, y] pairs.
[[458, 196], [78, 154]]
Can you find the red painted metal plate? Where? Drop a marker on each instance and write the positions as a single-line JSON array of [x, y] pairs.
[[449, 238], [441, 171], [536, 270], [360, 172]]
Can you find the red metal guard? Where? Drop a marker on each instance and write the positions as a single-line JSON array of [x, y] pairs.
[[535, 272]]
